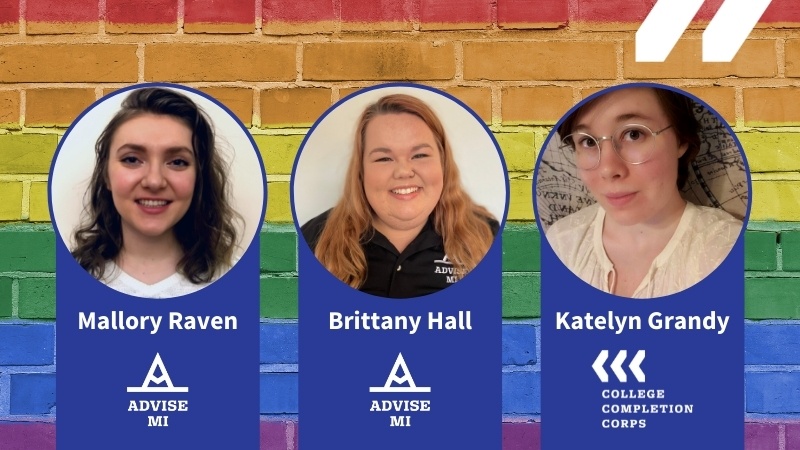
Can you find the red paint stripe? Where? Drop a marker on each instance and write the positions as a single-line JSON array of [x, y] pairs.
[[220, 11], [28, 435], [62, 10], [456, 11], [144, 11], [375, 11], [9, 11], [532, 11], [299, 10], [636, 11]]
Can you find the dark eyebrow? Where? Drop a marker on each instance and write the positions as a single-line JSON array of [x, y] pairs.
[[623, 118], [142, 149]]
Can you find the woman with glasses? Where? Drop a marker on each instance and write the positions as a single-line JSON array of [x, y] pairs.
[[632, 148]]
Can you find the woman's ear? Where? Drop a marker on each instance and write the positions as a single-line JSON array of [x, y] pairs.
[[682, 149]]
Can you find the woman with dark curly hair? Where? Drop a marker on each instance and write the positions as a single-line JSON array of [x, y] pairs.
[[158, 222]]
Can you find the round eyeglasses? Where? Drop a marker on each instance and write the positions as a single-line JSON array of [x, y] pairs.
[[632, 142]]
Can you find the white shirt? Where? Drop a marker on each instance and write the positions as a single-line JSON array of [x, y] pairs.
[[702, 240], [174, 285]]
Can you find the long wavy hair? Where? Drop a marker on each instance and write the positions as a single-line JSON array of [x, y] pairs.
[[679, 110], [206, 233], [463, 225]]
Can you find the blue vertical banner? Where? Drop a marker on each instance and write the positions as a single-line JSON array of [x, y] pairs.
[[142, 371], [413, 358], [628, 373]]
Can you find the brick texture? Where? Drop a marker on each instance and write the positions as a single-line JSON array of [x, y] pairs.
[[760, 250], [793, 435], [332, 61], [26, 345], [775, 200], [522, 393], [535, 105], [219, 62], [784, 300], [10, 200], [377, 15], [532, 13], [39, 210], [522, 436], [762, 436], [278, 153], [26, 153], [9, 17], [721, 99], [5, 296], [28, 436], [278, 393], [478, 99], [37, 298], [278, 343], [518, 149], [278, 208], [279, 250], [772, 392], [535, 60], [790, 243], [521, 248], [27, 251], [772, 344], [771, 152], [274, 435], [295, 107], [238, 100], [9, 109], [279, 297], [55, 107], [519, 344], [771, 106], [143, 16], [299, 17], [521, 296], [33, 393], [212, 16], [455, 14], [64, 63], [756, 58], [62, 16]]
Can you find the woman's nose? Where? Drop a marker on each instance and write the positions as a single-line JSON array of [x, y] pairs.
[[403, 169], [153, 178], [611, 165]]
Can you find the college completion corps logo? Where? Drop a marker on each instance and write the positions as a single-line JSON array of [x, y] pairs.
[[397, 383], [158, 384]]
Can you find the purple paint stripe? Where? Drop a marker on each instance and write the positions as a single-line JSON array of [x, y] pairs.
[[27, 436]]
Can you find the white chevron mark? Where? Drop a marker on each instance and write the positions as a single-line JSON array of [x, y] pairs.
[[598, 366], [634, 366], [662, 28], [616, 366], [729, 28]]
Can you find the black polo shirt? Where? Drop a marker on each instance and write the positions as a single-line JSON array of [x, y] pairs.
[[421, 269]]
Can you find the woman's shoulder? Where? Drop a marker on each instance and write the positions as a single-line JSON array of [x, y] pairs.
[[577, 222], [312, 229], [714, 221]]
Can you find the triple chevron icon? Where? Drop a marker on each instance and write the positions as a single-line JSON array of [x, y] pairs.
[[616, 366], [723, 37]]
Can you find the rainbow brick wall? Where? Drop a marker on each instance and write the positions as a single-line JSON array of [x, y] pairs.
[[279, 63]]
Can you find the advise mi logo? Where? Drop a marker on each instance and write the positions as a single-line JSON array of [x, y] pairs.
[[722, 39], [161, 383], [400, 381]]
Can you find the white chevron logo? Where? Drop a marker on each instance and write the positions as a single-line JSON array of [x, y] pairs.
[[722, 39], [616, 366]]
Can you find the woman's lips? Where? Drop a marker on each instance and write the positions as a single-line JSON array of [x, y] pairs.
[[405, 192], [618, 199], [152, 206]]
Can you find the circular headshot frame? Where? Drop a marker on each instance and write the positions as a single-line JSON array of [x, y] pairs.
[[719, 176], [319, 170], [74, 161]]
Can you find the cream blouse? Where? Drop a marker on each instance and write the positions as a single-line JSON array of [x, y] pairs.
[[702, 240]]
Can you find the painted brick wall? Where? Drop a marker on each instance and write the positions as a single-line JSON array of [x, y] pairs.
[[279, 63]]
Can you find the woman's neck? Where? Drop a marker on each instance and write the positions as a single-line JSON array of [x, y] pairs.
[[400, 238], [147, 259]]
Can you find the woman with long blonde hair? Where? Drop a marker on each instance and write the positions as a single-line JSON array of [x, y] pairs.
[[404, 226]]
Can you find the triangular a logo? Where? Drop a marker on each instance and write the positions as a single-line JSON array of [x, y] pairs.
[[395, 382], [151, 381]]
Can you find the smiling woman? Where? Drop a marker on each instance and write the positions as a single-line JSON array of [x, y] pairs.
[[404, 225], [158, 221]]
